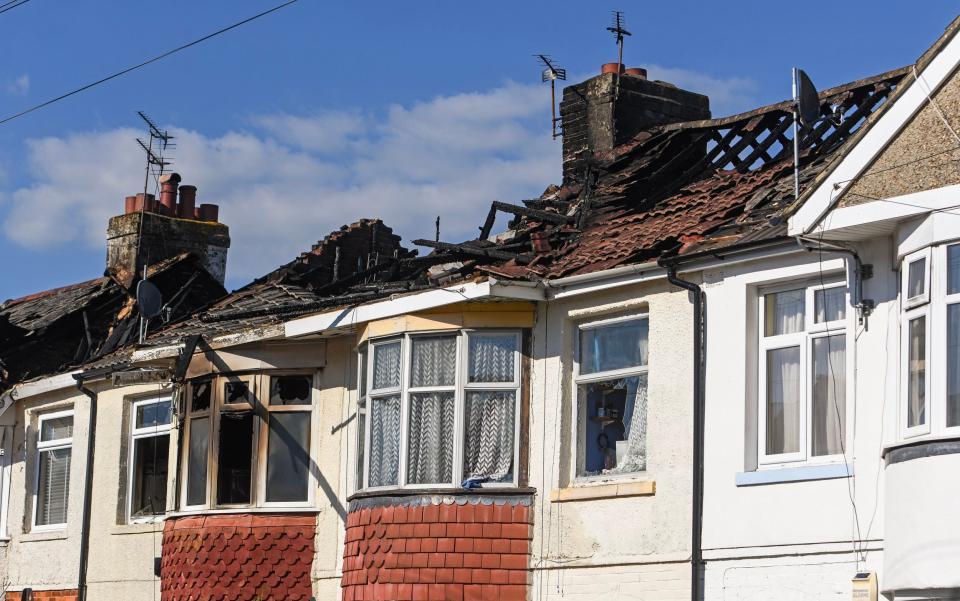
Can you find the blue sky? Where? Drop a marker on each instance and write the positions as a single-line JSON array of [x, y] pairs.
[[326, 112]]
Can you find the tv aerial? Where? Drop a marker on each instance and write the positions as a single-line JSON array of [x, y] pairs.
[[618, 30], [155, 158], [552, 73]]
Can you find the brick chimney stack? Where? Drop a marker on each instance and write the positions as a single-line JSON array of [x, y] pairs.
[[594, 121], [166, 229]]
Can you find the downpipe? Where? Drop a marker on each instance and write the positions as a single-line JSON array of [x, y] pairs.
[[699, 354], [87, 489]]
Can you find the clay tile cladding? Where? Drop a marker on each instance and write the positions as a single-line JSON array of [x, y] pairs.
[[265, 557]]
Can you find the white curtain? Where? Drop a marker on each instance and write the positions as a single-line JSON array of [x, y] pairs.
[[917, 374], [433, 361], [489, 424], [829, 395], [783, 401], [384, 441], [386, 366], [430, 454], [784, 312], [492, 358], [635, 428]]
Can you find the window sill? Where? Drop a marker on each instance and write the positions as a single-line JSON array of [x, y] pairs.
[[795, 474], [138, 528], [43, 535], [642, 488]]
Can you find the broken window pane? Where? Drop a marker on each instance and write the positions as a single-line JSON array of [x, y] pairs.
[[200, 396], [197, 461], [290, 390], [149, 486], [237, 393], [614, 427], [234, 457], [288, 457], [154, 414]]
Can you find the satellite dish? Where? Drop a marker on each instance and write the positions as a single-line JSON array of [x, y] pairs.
[[149, 299], [808, 101]]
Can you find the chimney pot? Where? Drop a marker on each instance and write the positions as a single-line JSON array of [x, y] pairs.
[[611, 68], [168, 194], [636, 72], [130, 204], [145, 202], [209, 212], [188, 201]]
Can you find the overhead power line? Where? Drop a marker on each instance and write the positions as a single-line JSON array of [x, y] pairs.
[[12, 4], [146, 62]]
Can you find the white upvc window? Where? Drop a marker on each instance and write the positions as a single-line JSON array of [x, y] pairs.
[[915, 344], [249, 441], [950, 256], [53, 460], [802, 368], [440, 409], [610, 375], [150, 422]]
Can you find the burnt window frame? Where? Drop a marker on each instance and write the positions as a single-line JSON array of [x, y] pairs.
[[259, 384]]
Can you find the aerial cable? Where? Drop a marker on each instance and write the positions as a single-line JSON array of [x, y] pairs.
[[144, 63]]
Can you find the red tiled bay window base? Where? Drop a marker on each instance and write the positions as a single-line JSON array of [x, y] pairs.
[[430, 548], [237, 556]]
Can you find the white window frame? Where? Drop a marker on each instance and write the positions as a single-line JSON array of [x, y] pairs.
[[6, 450], [51, 445], [137, 434], [939, 361], [460, 388], [804, 340], [614, 374], [259, 386], [912, 309]]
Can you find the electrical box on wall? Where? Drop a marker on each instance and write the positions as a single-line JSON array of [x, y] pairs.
[[865, 586]]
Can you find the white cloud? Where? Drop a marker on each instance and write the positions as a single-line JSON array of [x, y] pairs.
[[290, 179], [19, 86]]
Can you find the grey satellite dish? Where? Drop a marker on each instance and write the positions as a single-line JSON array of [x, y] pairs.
[[808, 101], [149, 299]]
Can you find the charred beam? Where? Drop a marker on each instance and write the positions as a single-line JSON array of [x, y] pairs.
[[532, 213], [474, 251]]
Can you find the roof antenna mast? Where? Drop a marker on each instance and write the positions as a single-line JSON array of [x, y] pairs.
[[806, 113], [154, 159], [618, 30], [552, 73]]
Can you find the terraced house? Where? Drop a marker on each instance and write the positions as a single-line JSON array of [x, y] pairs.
[[667, 377]]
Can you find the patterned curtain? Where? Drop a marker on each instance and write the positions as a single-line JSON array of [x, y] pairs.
[[635, 429], [489, 424], [384, 441], [386, 366], [492, 358], [433, 361], [430, 455]]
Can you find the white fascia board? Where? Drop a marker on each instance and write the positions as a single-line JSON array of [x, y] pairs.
[[897, 208], [861, 156], [421, 301]]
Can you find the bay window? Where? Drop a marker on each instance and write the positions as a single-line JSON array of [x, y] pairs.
[[248, 441], [802, 362], [149, 454], [439, 409], [930, 342], [54, 455], [611, 383]]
